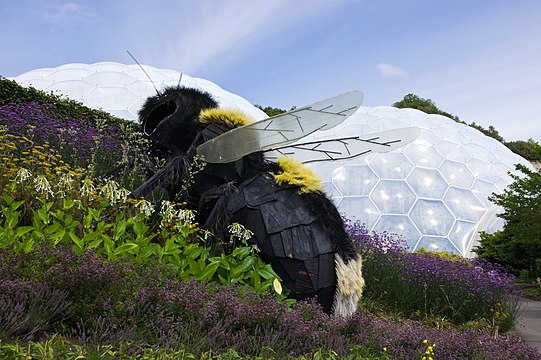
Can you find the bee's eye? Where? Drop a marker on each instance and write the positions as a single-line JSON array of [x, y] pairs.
[[157, 115]]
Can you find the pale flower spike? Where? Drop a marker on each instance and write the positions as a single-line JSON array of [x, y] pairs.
[[145, 207], [186, 216], [88, 188], [22, 175], [42, 185], [167, 211]]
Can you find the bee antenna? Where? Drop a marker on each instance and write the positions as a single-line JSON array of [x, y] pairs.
[[148, 76], [179, 79]]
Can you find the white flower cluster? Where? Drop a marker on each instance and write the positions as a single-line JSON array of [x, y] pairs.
[[42, 186], [114, 193], [239, 231], [168, 213], [22, 175], [145, 207]]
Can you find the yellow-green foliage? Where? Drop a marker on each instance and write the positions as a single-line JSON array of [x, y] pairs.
[[297, 174], [446, 255], [36, 165], [230, 118], [37, 174]]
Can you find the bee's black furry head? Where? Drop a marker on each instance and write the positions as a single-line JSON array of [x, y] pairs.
[[171, 118]]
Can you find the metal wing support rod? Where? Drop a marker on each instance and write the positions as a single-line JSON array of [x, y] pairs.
[[329, 149]]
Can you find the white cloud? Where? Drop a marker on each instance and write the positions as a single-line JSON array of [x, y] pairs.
[[194, 35], [388, 70], [66, 14]]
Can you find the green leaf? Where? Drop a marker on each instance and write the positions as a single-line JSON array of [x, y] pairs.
[[125, 248], [148, 250], [266, 272], [170, 247], [79, 243], [21, 230], [241, 252], [95, 243], [120, 229], [243, 267], [208, 272], [28, 244]]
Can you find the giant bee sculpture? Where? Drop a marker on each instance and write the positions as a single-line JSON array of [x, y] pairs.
[[297, 228]]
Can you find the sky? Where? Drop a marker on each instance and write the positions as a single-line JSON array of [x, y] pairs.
[[477, 59]]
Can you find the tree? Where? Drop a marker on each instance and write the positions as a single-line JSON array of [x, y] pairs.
[[425, 105], [428, 106], [530, 149], [271, 111], [518, 245]]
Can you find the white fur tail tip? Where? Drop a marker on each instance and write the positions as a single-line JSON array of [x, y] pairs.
[[350, 285]]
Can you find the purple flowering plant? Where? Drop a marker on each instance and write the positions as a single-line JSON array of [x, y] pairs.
[[129, 307], [423, 285], [99, 146]]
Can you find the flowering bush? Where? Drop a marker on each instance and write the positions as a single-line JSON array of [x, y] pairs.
[[100, 146], [78, 142], [65, 208], [132, 308], [459, 290], [28, 309]]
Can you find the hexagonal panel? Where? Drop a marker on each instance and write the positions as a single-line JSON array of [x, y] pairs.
[[482, 190], [502, 169], [76, 89], [480, 152], [354, 179], [459, 154], [445, 147], [155, 74], [392, 165], [363, 209], [69, 74], [359, 123], [432, 217], [462, 235], [108, 96], [494, 223], [456, 174], [393, 196], [38, 83], [464, 205], [426, 156], [482, 170], [400, 225], [109, 78], [427, 183], [502, 183], [448, 132], [436, 243]]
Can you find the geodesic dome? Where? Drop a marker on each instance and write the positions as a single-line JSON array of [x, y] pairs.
[[122, 89], [433, 192]]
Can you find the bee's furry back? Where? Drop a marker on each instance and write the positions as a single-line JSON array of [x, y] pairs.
[[192, 99]]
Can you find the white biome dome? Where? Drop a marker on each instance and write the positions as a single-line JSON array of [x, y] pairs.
[[121, 89], [433, 192]]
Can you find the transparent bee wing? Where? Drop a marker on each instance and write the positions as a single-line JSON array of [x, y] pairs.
[[280, 130], [329, 149]]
